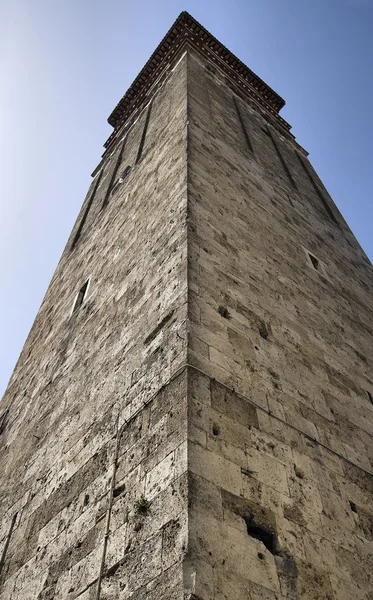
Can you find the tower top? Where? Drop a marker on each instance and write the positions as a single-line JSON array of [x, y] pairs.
[[187, 30]]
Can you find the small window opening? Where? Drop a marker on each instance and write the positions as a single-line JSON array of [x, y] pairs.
[[370, 397], [119, 490], [353, 507], [224, 312], [263, 331], [315, 262], [268, 538], [81, 296], [125, 173], [215, 429]]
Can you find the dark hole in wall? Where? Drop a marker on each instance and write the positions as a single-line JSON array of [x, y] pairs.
[[81, 296], [258, 532], [119, 490], [314, 261], [370, 397], [353, 507], [263, 331], [215, 429], [125, 172], [112, 570], [224, 312]]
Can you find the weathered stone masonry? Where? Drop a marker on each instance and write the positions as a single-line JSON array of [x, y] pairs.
[[201, 426]]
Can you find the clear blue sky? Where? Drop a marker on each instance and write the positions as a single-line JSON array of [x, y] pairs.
[[64, 66]]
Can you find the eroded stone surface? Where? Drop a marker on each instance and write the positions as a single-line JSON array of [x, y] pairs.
[[284, 359], [79, 374]]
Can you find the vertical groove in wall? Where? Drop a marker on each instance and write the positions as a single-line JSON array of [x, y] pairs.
[[243, 127], [114, 174], [317, 190], [281, 158], [3, 556], [3, 420], [187, 153], [206, 95], [86, 212], [143, 137], [108, 515], [187, 217]]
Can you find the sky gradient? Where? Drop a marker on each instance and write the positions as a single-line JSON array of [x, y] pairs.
[[65, 65]]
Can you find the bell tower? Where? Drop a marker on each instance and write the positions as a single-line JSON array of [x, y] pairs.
[[191, 416]]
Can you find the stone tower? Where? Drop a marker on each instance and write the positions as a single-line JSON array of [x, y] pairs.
[[191, 416]]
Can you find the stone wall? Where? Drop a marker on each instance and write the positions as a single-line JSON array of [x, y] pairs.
[[201, 426], [280, 437], [97, 426]]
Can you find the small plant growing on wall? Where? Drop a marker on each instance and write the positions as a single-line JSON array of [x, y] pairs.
[[141, 506]]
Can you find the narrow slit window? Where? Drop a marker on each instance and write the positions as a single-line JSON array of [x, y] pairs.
[[353, 506], [315, 261], [370, 396], [316, 264], [80, 297]]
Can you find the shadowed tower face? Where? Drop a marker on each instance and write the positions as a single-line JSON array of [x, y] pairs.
[[191, 416]]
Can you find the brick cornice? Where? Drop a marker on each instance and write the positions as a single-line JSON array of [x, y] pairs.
[[186, 29]]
